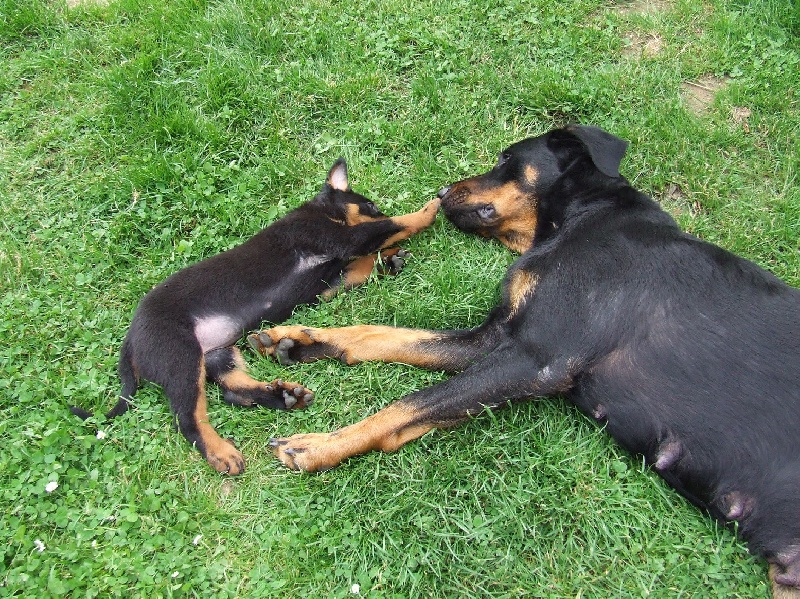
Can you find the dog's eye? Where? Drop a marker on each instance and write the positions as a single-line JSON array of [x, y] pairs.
[[502, 159], [486, 212]]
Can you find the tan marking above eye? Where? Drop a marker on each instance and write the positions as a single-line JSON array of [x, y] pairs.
[[354, 216], [531, 174]]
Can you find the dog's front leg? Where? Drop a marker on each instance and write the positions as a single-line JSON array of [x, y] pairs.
[[358, 271], [451, 351], [503, 376]]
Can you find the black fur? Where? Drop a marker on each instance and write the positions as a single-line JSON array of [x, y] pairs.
[[687, 353]]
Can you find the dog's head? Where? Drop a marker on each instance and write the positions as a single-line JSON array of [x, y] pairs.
[[506, 202], [341, 203]]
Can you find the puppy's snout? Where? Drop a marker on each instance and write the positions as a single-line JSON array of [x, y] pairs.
[[443, 191]]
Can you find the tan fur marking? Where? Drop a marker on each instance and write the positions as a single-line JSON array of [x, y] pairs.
[[363, 342], [523, 284], [221, 455], [531, 174], [387, 430], [515, 224], [239, 379], [358, 272], [354, 217], [518, 218], [780, 591]]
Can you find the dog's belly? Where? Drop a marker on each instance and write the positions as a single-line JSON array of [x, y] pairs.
[[217, 330]]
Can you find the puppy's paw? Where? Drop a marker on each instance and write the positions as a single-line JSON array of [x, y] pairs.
[[392, 261], [223, 457], [287, 396]]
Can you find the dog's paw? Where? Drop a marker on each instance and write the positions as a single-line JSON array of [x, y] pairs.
[[431, 208], [313, 452], [287, 396], [393, 261], [290, 344], [225, 458]]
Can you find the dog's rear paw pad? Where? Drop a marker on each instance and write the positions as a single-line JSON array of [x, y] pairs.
[[397, 264], [293, 396]]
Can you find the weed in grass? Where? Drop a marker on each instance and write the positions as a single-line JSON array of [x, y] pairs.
[[136, 138]]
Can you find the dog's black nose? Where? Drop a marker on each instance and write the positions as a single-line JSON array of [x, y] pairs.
[[443, 192]]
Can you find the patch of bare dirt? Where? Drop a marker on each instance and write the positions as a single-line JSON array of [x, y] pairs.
[[76, 3], [642, 45], [699, 95], [643, 7], [676, 201], [740, 116]]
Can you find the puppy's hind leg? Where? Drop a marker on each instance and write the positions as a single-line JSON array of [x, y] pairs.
[[187, 395], [227, 368]]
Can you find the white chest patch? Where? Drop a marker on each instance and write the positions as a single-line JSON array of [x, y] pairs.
[[216, 331]]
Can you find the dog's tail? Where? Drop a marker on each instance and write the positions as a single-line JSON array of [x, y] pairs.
[[130, 383]]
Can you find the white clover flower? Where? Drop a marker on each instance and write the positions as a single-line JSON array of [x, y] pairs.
[[101, 435], [196, 540], [39, 545], [51, 486], [355, 589]]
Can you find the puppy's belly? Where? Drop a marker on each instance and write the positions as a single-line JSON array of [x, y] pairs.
[[217, 331]]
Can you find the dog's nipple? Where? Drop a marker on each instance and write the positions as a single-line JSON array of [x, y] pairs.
[[668, 453], [599, 412], [737, 505]]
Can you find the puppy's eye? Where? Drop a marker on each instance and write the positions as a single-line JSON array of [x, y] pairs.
[[487, 212], [370, 208], [503, 158]]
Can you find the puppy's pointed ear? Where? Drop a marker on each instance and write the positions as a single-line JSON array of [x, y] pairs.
[[605, 149], [337, 176]]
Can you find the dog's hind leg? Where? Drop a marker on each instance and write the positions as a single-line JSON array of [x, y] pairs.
[[187, 395], [226, 367]]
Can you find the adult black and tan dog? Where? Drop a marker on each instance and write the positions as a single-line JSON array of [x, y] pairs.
[[686, 353], [183, 330]]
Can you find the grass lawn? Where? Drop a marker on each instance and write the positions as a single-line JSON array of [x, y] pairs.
[[137, 137]]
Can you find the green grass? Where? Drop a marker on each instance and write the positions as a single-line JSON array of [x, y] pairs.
[[138, 137]]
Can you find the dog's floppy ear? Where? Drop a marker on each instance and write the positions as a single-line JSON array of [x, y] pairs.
[[337, 176], [605, 149]]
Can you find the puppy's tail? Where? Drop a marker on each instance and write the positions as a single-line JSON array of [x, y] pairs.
[[130, 383]]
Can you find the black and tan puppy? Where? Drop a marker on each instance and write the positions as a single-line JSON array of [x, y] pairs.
[[686, 353], [183, 331]]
